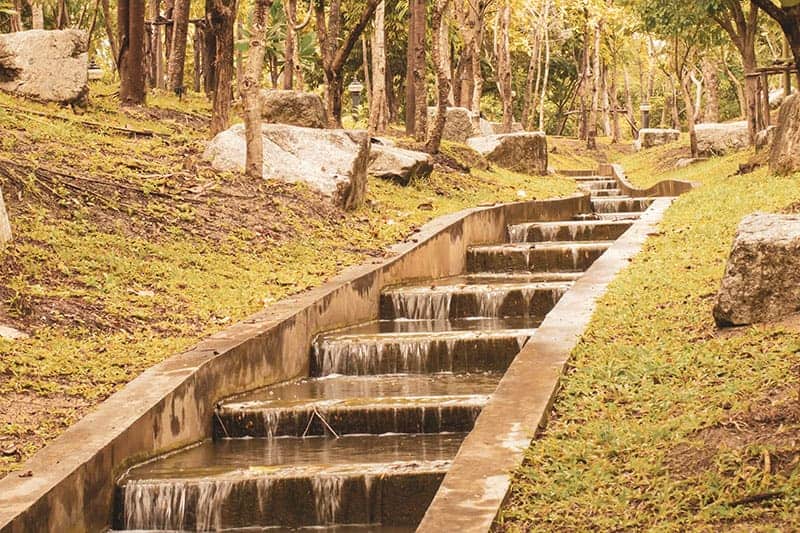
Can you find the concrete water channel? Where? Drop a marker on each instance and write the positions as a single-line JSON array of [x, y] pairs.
[[364, 442]]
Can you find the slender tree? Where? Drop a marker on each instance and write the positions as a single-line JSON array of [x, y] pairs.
[[335, 50], [417, 49], [251, 89], [443, 81], [788, 16], [177, 58], [378, 106], [503, 53]]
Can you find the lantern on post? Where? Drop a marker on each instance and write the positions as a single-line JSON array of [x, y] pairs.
[[645, 108], [355, 89]]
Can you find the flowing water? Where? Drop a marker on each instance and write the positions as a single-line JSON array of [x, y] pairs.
[[364, 442]]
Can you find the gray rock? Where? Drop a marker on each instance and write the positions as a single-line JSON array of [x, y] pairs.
[[296, 108], [11, 334], [398, 164], [460, 123], [485, 127], [650, 137], [784, 155], [777, 97], [723, 138], [5, 225], [521, 152], [762, 281], [765, 137], [333, 162], [46, 65], [688, 161], [497, 128]]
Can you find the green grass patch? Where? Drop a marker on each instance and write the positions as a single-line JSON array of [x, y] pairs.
[[663, 423]]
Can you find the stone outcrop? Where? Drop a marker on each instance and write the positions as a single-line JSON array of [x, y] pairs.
[[762, 281], [460, 124], [5, 225], [650, 137], [723, 138], [521, 152], [784, 155], [398, 164], [295, 108], [765, 137], [333, 162], [46, 65]]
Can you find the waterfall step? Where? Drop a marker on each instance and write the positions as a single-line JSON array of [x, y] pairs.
[[598, 185], [592, 230], [422, 346], [631, 216], [539, 257], [398, 403], [606, 193], [620, 205], [288, 482], [581, 179], [454, 298]]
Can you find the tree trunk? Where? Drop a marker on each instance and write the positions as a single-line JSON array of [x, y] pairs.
[[629, 102], [197, 48], [529, 103], [130, 24], [62, 15], [251, 88], [222, 17], [503, 53], [177, 58], [750, 64], [546, 77], [365, 66], [37, 15], [690, 114], [411, 99], [443, 82], [740, 95], [16, 18], [420, 69], [477, 74], [711, 79], [378, 106], [289, 44], [112, 39], [591, 136]]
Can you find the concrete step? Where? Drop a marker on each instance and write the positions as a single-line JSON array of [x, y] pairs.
[[399, 403], [620, 205], [288, 482], [538, 257], [592, 230], [618, 217], [598, 185], [422, 346], [461, 297], [606, 193]]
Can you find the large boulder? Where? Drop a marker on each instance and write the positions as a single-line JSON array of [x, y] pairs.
[[333, 162], [650, 137], [46, 65], [296, 108], [762, 281], [398, 164], [460, 123], [5, 225], [722, 138], [784, 155], [522, 152]]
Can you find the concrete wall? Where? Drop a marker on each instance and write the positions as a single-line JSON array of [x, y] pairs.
[[171, 404], [662, 188], [5, 225]]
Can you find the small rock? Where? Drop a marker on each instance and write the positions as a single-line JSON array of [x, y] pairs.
[[762, 281], [460, 123], [765, 137], [497, 128], [296, 108], [9, 333], [688, 161], [27, 473], [522, 152], [399, 165]]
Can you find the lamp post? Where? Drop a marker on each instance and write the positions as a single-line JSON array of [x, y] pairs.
[[645, 108], [355, 89]]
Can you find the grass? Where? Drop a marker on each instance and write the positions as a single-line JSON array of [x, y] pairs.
[[132, 249], [664, 423]]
